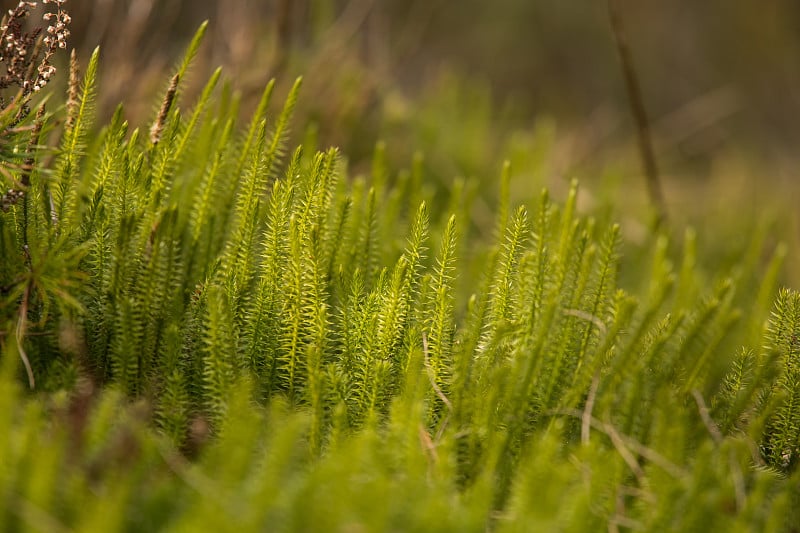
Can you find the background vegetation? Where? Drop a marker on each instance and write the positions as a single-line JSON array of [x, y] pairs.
[[536, 82]]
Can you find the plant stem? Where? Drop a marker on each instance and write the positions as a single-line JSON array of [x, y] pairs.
[[283, 30], [639, 114]]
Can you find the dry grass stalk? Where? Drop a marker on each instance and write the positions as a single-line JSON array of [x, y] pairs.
[[639, 113], [158, 126], [73, 89]]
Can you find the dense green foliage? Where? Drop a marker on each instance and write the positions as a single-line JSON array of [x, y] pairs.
[[226, 335]]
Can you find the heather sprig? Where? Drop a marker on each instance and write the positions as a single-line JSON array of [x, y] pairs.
[[26, 57]]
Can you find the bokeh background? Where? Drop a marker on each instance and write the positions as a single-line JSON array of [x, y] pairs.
[[735, 63], [537, 82]]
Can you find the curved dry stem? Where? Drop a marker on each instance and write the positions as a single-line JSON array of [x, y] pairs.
[[20, 335]]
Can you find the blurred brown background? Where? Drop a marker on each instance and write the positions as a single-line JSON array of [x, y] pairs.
[[474, 82], [737, 61]]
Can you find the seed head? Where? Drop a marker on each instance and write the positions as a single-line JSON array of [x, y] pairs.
[[27, 59]]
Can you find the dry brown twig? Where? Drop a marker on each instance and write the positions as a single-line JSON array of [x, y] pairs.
[[639, 113], [627, 447], [435, 386], [716, 435]]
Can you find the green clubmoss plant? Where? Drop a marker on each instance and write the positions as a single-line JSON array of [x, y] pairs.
[[218, 333]]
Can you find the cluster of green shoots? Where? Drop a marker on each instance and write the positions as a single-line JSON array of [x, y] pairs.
[[201, 330]]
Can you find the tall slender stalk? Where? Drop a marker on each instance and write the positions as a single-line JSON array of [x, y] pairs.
[[639, 114]]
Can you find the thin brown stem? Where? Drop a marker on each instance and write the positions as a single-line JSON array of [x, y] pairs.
[[586, 419], [436, 387], [33, 143], [639, 113], [283, 20], [22, 321], [283, 33], [626, 446]]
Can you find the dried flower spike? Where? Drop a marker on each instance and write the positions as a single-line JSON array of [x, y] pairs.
[[158, 126], [73, 89]]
